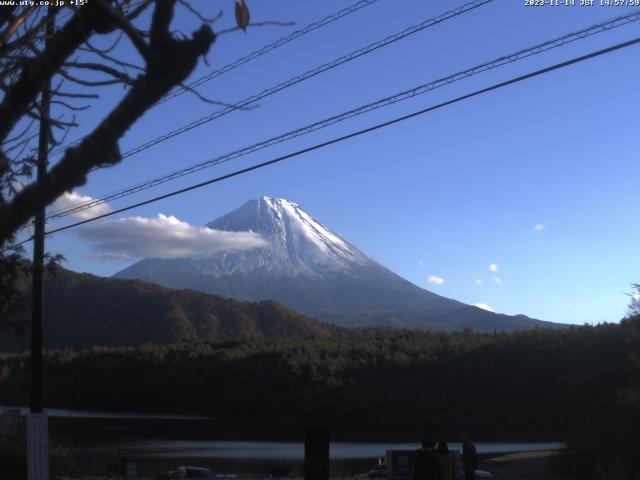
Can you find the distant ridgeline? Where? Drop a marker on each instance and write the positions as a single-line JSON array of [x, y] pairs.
[[82, 310]]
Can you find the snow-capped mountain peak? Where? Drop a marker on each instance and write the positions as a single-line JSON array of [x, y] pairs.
[[298, 243], [314, 231], [311, 269]]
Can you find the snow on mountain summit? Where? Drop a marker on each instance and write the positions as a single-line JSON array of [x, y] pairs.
[[312, 229], [297, 245], [297, 242]]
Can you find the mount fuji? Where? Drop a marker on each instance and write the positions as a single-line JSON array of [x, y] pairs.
[[309, 268]]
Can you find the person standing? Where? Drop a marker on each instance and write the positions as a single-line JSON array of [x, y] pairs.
[[469, 459], [445, 461], [425, 466]]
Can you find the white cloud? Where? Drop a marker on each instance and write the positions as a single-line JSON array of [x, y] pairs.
[[421, 263], [161, 237], [484, 306], [539, 227], [479, 281], [73, 199], [435, 280], [636, 297], [497, 280], [493, 267]]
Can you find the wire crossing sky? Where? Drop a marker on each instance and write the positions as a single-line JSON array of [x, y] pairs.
[[249, 101], [252, 56], [522, 199], [404, 95], [354, 134], [304, 76]]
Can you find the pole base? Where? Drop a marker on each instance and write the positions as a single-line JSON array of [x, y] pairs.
[[37, 446]]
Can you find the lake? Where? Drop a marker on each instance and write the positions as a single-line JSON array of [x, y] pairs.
[[251, 450], [157, 456], [98, 441]]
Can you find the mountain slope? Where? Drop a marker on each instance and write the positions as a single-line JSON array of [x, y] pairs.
[[312, 270], [83, 310]]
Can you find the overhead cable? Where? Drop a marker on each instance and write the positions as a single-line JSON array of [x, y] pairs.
[[251, 56], [358, 133], [401, 96], [247, 102]]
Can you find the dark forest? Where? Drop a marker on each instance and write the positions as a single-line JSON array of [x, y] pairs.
[[580, 385]]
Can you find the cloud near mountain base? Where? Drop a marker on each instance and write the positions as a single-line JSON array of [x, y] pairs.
[[161, 237], [484, 306]]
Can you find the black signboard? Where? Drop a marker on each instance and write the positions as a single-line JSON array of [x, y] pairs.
[[401, 462]]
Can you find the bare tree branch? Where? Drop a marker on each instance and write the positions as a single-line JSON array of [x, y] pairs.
[[215, 102], [16, 23], [99, 67], [107, 50], [255, 24], [89, 83], [105, 55], [29, 36], [75, 108], [198, 15], [135, 36], [169, 64], [55, 122], [58, 93], [20, 134], [23, 92]]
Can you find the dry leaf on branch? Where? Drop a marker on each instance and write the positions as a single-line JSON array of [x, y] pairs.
[[242, 15]]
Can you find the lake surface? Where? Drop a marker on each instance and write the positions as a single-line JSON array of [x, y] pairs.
[[155, 457], [250, 458], [97, 441], [248, 450], [61, 412]]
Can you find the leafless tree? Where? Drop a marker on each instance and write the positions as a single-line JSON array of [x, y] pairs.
[[634, 305], [77, 49]]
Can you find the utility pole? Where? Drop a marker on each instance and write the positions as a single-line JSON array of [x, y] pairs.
[[37, 422]]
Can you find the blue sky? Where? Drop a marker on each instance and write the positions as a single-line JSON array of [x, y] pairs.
[[444, 195]]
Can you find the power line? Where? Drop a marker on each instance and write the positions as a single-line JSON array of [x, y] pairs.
[[306, 76], [404, 95], [378, 126], [252, 56], [348, 136], [310, 74], [272, 46]]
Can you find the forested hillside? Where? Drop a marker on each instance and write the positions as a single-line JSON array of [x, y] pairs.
[[549, 376], [538, 384], [82, 310]]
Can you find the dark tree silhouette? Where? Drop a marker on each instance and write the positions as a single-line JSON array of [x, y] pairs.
[[27, 66], [64, 47], [634, 305]]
